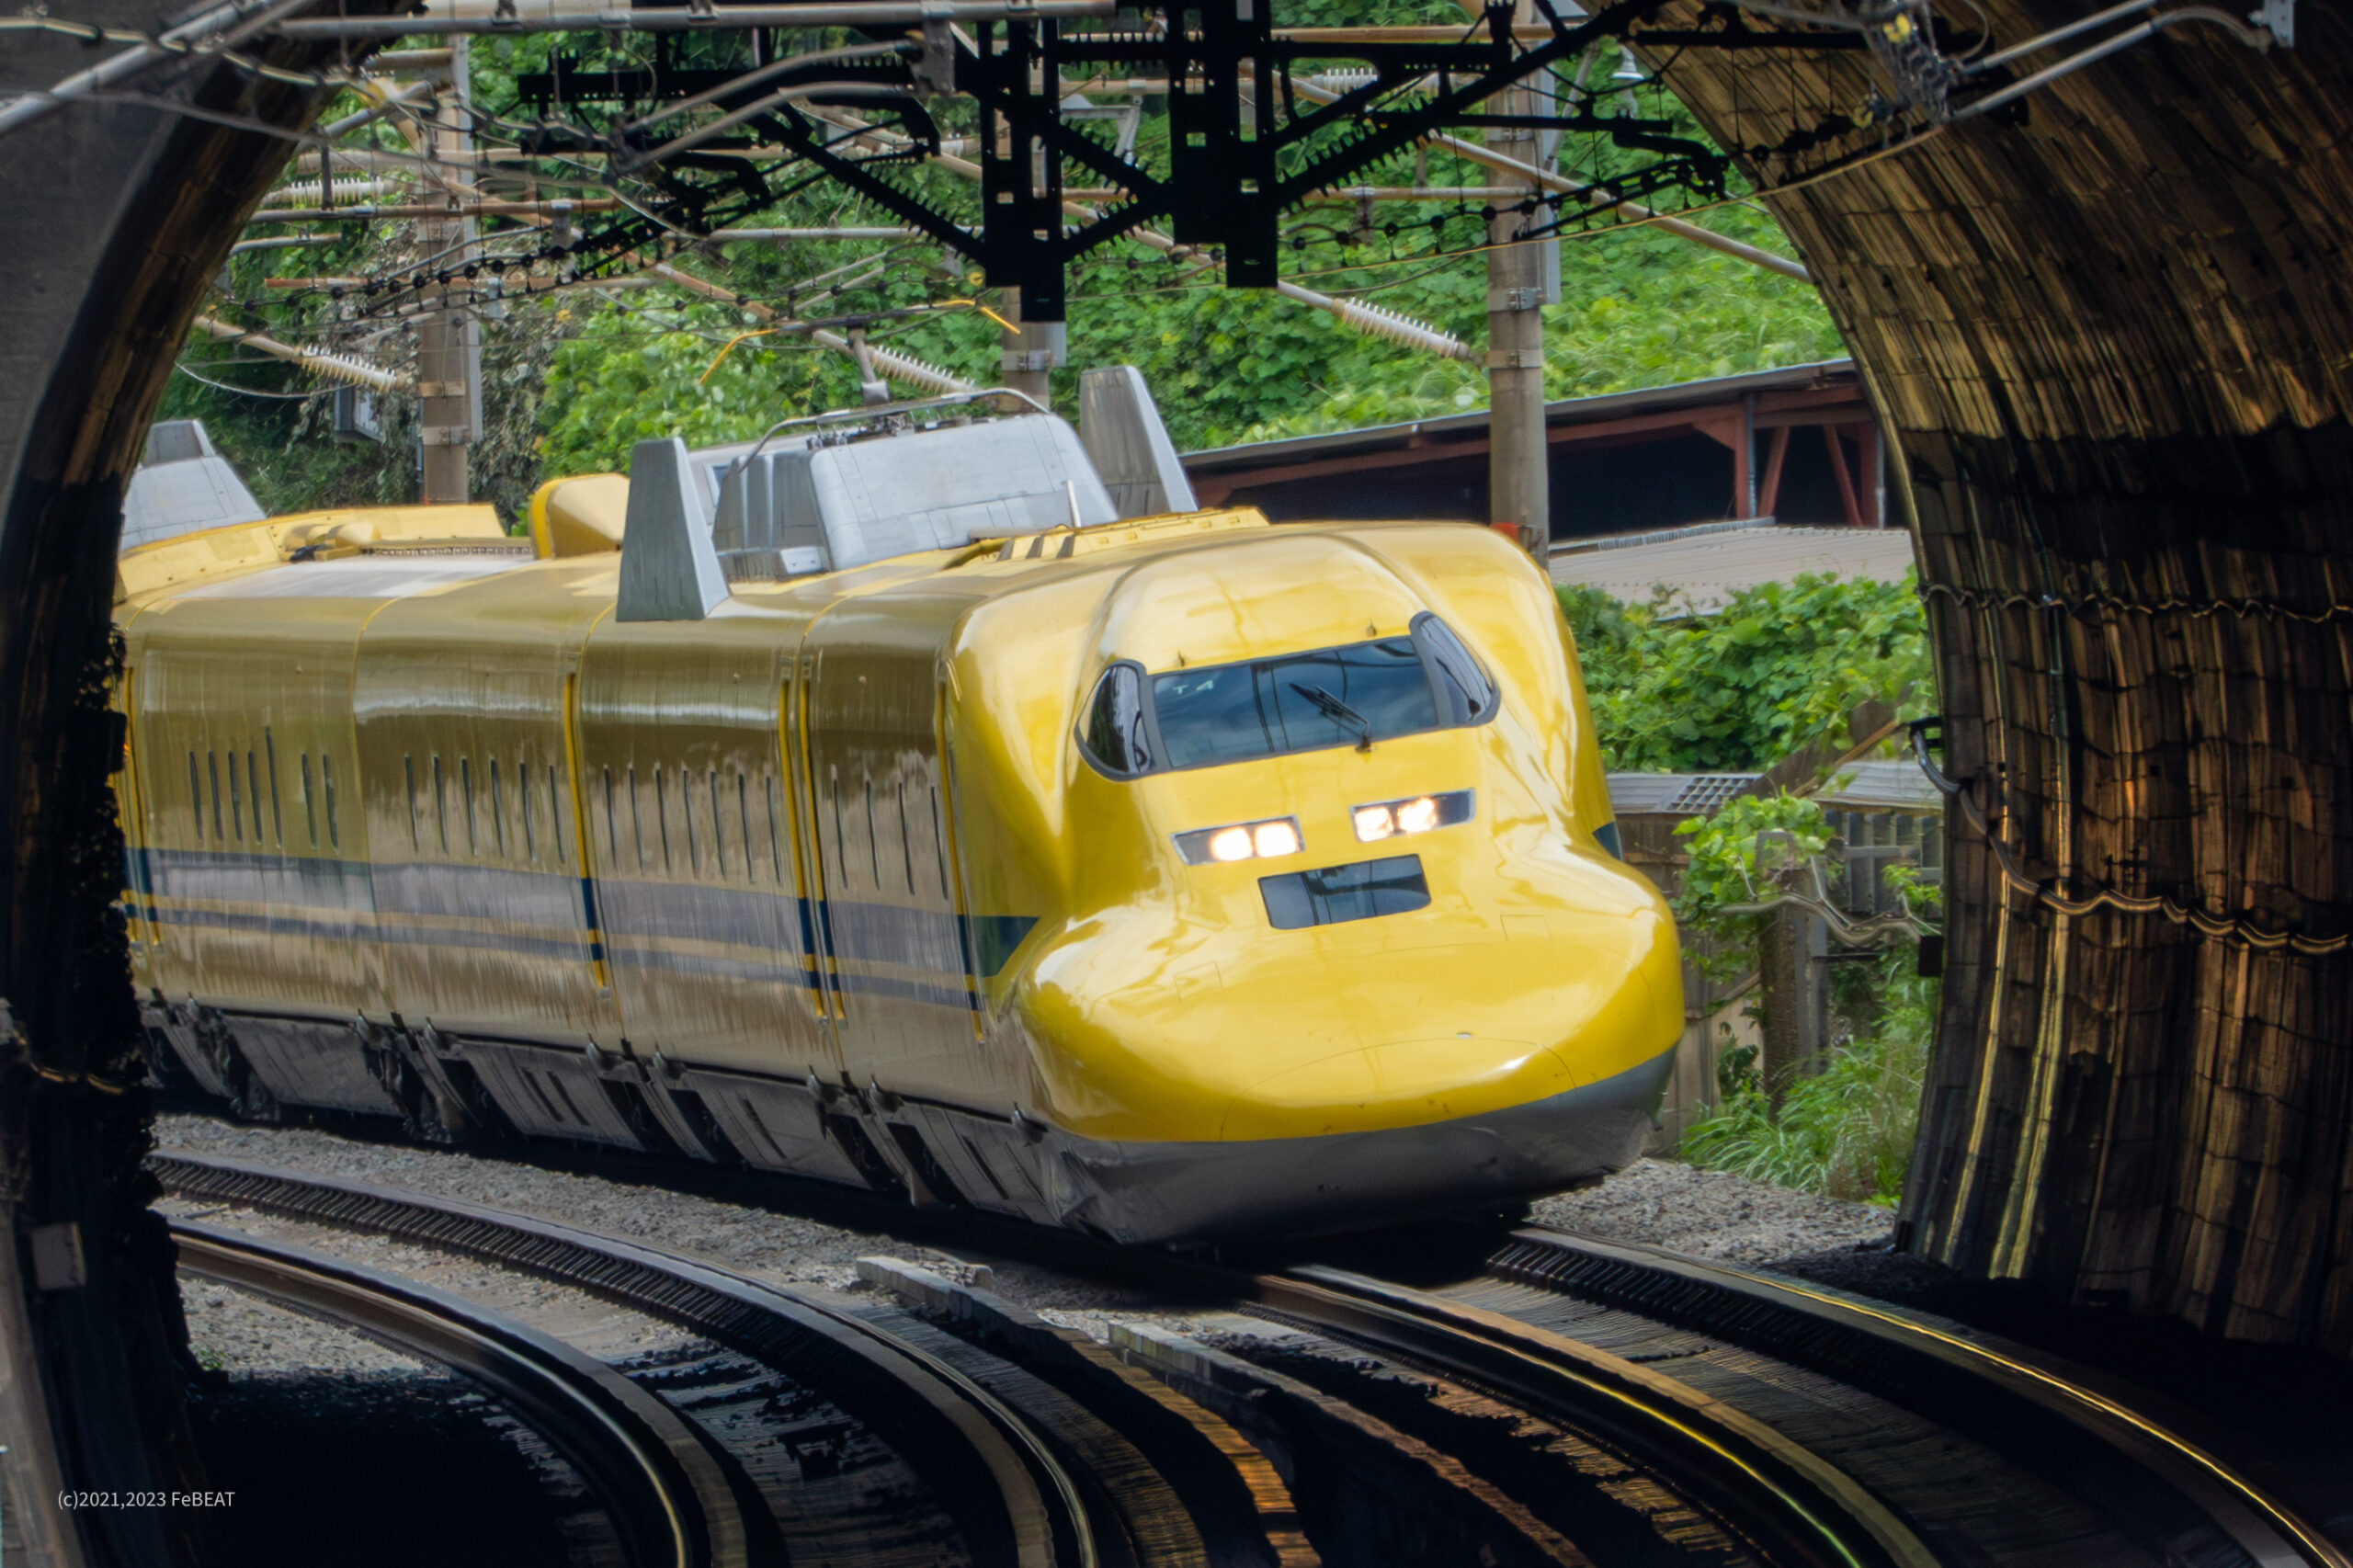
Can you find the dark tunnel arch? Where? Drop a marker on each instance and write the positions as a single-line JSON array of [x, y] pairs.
[[2112, 345], [2116, 345]]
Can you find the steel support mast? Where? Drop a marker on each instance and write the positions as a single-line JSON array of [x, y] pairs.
[[448, 341], [1519, 486]]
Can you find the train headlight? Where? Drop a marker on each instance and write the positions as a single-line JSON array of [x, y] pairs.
[[1273, 838], [1265, 840], [1416, 814]]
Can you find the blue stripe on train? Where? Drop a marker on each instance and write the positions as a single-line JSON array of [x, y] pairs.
[[626, 913]]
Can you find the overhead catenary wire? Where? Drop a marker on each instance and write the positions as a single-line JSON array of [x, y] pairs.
[[544, 17], [1592, 196], [223, 22], [321, 362]]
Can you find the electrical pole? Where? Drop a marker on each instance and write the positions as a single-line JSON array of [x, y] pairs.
[[448, 341], [1519, 500], [1031, 350]]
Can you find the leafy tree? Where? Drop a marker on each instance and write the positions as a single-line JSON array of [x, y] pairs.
[[1736, 689], [575, 379]]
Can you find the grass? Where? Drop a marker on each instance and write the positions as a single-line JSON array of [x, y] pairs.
[[1847, 1132]]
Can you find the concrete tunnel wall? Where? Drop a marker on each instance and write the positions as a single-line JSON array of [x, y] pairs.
[[116, 215], [2117, 348]]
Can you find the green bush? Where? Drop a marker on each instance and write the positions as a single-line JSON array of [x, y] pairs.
[[1845, 1133], [1779, 665]]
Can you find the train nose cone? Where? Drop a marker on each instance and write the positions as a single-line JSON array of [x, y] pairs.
[[1399, 1084]]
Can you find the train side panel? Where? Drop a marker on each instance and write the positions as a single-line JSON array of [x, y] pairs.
[[249, 869], [460, 707], [702, 882]]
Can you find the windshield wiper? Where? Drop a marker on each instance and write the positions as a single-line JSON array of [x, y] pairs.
[[1339, 712]]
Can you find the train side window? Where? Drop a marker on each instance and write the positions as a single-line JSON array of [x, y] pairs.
[[309, 805], [213, 771], [906, 841], [440, 804], [662, 818], [939, 846], [253, 789], [236, 809], [1116, 739], [523, 789], [841, 855], [497, 811], [873, 838], [718, 829], [326, 787], [408, 791], [612, 825], [636, 816], [276, 824], [1463, 689], [556, 814], [687, 814], [466, 793], [776, 845], [744, 820], [195, 796]]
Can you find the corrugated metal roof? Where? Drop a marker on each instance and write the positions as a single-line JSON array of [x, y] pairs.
[[1883, 786], [1710, 563], [1565, 411], [1674, 794]]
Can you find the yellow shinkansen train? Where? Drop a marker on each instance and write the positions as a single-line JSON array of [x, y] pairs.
[[845, 807]]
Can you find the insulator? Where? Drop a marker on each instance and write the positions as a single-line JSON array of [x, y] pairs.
[[345, 368], [904, 368], [1401, 329]]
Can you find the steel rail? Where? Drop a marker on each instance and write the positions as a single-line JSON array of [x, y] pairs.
[[1879, 1348], [1806, 1509], [1016, 1500], [669, 1499]]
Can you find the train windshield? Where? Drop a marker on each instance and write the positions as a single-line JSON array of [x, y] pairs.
[[1354, 694]]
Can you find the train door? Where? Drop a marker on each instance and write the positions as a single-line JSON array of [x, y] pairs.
[[460, 707], [876, 821], [700, 884], [253, 842]]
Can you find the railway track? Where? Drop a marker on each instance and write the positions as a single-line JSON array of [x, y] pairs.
[[1570, 1403], [669, 1500], [1030, 1475]]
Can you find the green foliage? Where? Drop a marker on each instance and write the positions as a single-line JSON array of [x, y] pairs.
[[577, 376], [1734, 855], [631, 375], [1734, 690], [1845, 1133]]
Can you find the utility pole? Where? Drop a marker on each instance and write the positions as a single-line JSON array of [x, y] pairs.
[[1031, 350], [448, 341], [1519, 491]]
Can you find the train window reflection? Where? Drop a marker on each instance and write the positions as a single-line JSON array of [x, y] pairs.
[[1359, 693], [1115, 737], [1463, 686]]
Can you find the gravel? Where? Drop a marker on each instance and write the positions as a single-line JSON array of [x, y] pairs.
[[232, 1331], [1656, 1201], [1713, 1214], [780, 1247]]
